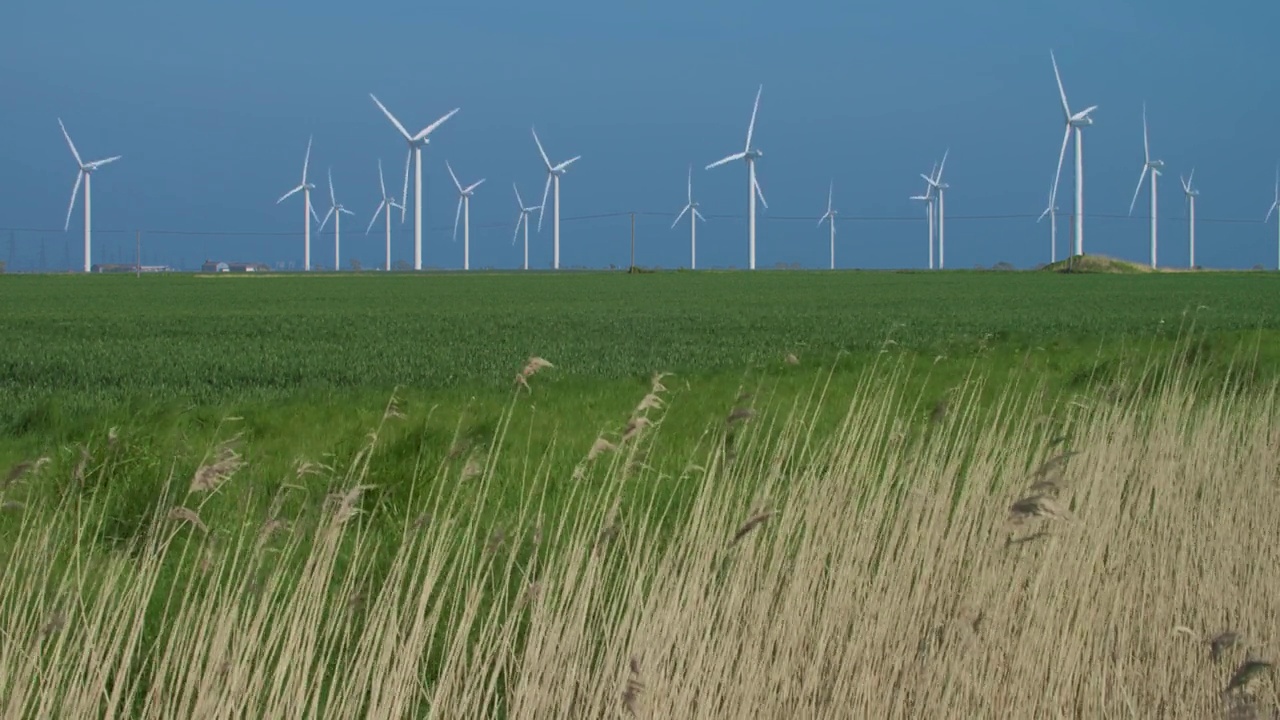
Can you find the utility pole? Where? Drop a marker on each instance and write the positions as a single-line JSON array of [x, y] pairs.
[[138, 266], [633, 242]]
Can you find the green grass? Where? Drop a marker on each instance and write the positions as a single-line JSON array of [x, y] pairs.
[[308, 363]]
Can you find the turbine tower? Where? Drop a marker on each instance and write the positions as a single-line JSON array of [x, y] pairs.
[[416, 143], [336, 210], [927, 199], [83, 173], [1052, 211], [1191, 194], [1154, 166], [935, 183], [553, 177], [831, 215], [694, 217], [523, 218], [1074, 122], [464, 209], [1274, 204], [388, 202], [308, 212], [750, 155]]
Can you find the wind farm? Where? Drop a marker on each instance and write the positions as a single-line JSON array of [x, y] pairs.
[[650, 454]]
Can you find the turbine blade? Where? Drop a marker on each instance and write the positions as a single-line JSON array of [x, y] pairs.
[[519, 200], [325, 222], [428, 129], [306, 160], [474, 185], [760, 193], [1066, 111], [106, 161], [457, 214], [404, 195], [1191, 178], [381, 182], [1062, 154], [282, 197], [344, 210], [567, 163], [519, 218], [1266, 219], [728, 158], [1146, 147], [682, 212], [542, 209], [374, 219], [690, 183], [1138, 189], [312, 208], [70, 144], [392, 118], [754, 108], [75, 190], [455, 177], [332, 198], [698, 215], [1046, 212], [831, 188], [938, 178], [545, 159]]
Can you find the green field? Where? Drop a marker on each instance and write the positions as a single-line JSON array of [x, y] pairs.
[[129, 388]]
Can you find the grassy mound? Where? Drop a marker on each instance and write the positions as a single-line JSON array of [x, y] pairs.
[[1097, 264]]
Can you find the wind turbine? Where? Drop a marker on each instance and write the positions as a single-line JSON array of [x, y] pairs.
[[694, 217], [1076, 122], [927, 199], [523, 218], [1154, 166], [388, 203], [935, 183], [1052, 211], [553, 177], [1274, 204], [831, 215], [336, 210], [464, 209], [85, 170], [308, 212], [753, 188], [416, 143], [1191, 194]]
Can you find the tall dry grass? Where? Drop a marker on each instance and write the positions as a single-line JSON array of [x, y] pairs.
[[1115, 558]]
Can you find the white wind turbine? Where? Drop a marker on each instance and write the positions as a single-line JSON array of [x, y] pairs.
[[1154, 166], [831, 215], [1274, 205], [464, 209], [1191, 194], [1052, 211], [416, 143], [308, 212], [388, 202], [753, 187], [1076, 122], [84, 172], [927, 199], [694, 217], [553, 177], [523, 218], [336, 210], [935, 183]]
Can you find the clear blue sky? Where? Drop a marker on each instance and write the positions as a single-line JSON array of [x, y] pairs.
[[211, 105]]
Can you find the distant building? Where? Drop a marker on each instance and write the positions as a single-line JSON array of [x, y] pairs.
[[212, 266]]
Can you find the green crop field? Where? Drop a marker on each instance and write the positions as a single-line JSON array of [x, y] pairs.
[[239, 398]]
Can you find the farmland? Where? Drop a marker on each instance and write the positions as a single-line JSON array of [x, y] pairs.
[[353, 426]]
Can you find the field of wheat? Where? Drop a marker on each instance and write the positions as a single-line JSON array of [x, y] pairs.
[[1091, 555]]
